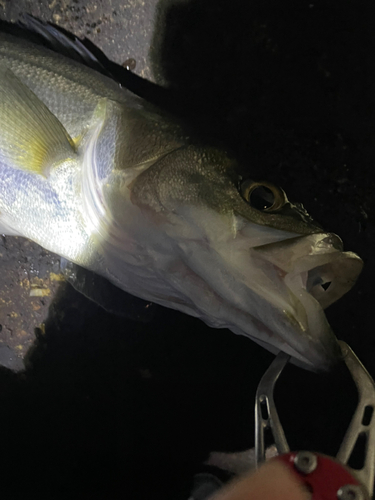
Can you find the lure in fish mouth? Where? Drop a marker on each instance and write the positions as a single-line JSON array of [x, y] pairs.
[[96, 175]]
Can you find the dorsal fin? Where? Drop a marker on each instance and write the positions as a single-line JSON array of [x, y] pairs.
[[85, 52], [64, 43]]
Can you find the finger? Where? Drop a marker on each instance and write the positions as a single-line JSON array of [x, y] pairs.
[[273, 481]]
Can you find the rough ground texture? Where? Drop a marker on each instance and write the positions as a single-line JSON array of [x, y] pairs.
[[109, 408]]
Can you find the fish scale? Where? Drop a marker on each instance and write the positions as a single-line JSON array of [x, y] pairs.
[[113, 184]]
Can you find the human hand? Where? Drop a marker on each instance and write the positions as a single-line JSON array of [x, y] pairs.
[[273, 481]]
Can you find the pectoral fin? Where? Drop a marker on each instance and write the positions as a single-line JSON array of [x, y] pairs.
[[31, 137], [106, 295]]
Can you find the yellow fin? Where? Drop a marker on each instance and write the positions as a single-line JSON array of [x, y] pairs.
[[31, 137]]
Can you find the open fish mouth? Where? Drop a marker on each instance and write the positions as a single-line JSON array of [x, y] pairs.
[[274, 293], [316, 273]]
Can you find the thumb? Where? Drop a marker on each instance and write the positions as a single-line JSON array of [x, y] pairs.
[[273, 481]]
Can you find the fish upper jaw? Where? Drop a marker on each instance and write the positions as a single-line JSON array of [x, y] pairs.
[[316, 273]]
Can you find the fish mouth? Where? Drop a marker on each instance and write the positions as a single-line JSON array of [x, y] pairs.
[[316, 272]]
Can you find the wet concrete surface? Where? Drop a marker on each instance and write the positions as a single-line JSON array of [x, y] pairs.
[[111, 408], [123, 30], [30, 279]]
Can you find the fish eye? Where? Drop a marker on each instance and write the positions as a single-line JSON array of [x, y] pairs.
[[263, 196]]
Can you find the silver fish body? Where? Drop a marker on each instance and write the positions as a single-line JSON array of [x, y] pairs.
[[95, 174]]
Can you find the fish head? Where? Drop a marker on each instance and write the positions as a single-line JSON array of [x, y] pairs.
[[244, 257]]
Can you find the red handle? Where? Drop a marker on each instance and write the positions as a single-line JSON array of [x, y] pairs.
[[323, 476]]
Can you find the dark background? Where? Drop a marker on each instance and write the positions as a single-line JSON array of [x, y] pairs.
[[112, 408]]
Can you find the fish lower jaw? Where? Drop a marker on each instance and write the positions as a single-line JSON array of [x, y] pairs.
[[278, 331], [307, 350], [310, 293]]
